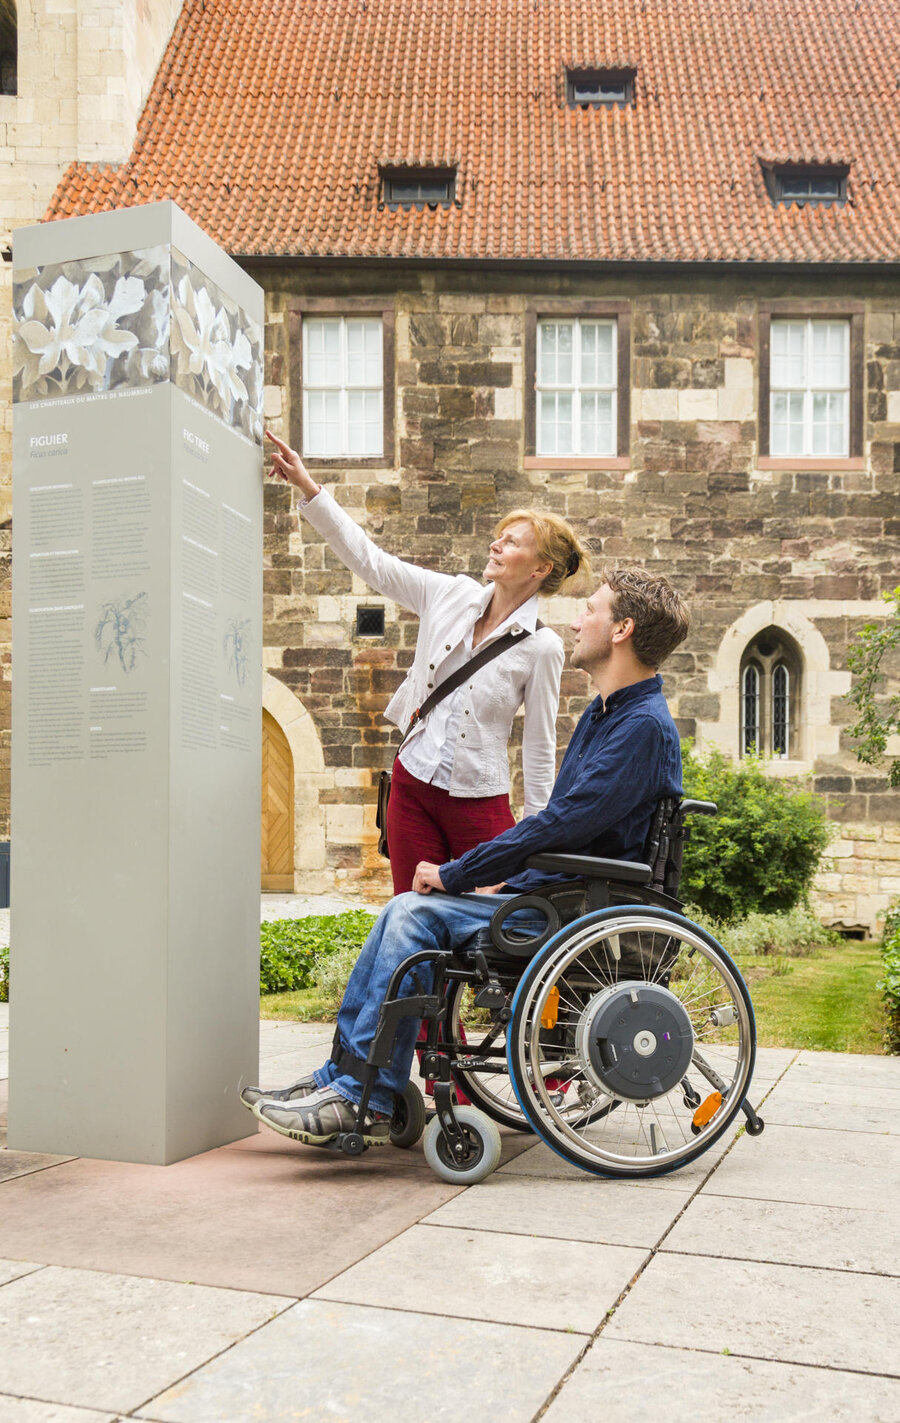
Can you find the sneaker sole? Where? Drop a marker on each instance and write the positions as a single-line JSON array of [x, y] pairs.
[[310, 1139]]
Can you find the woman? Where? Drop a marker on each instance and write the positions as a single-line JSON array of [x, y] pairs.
[[450, 787]]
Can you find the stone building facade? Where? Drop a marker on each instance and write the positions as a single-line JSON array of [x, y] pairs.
[[753, 544], [698, 176]]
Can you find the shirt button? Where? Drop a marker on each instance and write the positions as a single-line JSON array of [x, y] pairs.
[[448, 647], [431, 666], [467, 711], [431, 684], [462, 736]]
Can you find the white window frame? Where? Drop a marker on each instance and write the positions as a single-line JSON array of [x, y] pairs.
[[342, 386], [807, 391], [575, 388]]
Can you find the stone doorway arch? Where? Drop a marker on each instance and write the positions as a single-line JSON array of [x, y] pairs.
[[298, 775]]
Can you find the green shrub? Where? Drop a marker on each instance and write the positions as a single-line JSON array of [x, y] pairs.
[[4, 973], [889, 983], [761, 851], [331, 971], [794, 934], [290, 947]]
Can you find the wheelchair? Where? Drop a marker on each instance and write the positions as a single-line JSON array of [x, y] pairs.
[[620, 1033]]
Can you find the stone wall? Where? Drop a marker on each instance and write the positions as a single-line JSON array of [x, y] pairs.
[[813, 548]]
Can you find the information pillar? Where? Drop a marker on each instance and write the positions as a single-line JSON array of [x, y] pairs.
[[137, 614]]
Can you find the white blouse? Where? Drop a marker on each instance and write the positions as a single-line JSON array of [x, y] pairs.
[[471, 736]]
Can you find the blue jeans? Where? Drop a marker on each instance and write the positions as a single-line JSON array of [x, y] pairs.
[[410, 923]]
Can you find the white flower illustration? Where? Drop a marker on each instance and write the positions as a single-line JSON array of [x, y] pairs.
[[71, 330]]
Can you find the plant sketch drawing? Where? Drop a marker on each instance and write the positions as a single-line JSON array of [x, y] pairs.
[[236, 647], [120, 630], [91, 326]]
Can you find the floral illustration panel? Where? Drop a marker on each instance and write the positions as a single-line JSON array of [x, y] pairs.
[[217, 350], [90, 326]]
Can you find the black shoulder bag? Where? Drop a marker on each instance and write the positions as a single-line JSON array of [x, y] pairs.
[[455, 680]]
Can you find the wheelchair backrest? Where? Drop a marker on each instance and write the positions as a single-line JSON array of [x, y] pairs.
[[664, 850]]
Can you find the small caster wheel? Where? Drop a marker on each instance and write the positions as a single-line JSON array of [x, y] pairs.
[[408, 1120], [482, 1140], [352, 1143], [756, 1128]]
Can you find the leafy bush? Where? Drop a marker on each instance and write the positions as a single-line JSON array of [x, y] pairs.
[[872, 658], [290, 947], [794, 933], [331, 971], [4, 973], [761, 851], [889, 983]]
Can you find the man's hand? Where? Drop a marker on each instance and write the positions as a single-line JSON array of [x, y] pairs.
[[426, 877]]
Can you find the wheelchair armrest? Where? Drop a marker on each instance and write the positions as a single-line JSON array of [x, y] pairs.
[[591, 867], [698, 807]]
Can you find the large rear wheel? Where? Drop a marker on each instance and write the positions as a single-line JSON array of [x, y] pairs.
[[641, 1018]]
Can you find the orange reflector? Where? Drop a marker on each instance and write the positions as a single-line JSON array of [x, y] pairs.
[[551, 1011], [707, 1110]]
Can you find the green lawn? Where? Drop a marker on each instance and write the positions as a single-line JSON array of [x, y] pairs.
[[827, 1000]]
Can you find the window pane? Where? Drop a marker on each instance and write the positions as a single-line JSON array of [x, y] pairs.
[[321, 422], [323, 352], [364, 353], [829, 427], [555, 433], [787, 424], [556, 352], [596, 353], [788, 347], [780, 710], [830, 343], [750, 710], [364, 435], [597, 437]]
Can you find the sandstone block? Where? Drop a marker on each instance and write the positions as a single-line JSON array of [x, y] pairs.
[[735, 403], [697, 404], [658, 404]]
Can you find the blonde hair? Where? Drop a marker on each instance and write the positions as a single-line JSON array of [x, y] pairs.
[[557, 543]]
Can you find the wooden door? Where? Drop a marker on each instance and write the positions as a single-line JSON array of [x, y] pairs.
[[277, 808]]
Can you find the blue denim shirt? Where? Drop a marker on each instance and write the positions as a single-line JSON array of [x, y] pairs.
[[623, 757]]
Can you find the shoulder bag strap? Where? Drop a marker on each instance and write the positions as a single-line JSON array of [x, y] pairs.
[[456, 679]]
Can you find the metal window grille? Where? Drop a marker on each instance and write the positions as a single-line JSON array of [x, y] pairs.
[[370, 622], [750, 710], [780, 710]]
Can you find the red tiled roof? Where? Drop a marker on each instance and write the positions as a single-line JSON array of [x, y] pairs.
[[268, 121]]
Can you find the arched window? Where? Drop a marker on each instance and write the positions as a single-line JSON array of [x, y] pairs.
[[769, 688], [9, 47]]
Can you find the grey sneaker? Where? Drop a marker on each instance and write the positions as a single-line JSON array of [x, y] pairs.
[[318, 1120], [303, 1087]]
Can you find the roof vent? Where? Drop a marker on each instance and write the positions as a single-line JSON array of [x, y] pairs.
[[412, 187], [600, 88]]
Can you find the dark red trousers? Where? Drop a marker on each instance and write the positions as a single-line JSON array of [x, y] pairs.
[[425, 823]]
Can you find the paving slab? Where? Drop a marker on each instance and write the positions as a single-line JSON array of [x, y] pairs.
[[605, 1212], [22, 1163], [27, 1410], [783, 1312], [833, 1238], [505, 1278], [853, 1069], [542, 1161], [684, 1383], [15, 1269], [110, 1342], [343, 1362], [812, 1167], [203, 1219], [797, 1101]]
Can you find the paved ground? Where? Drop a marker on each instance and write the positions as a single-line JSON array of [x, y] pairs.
[[265, 1282]]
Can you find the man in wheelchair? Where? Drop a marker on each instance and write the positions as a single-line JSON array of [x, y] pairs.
[[623, 759]]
